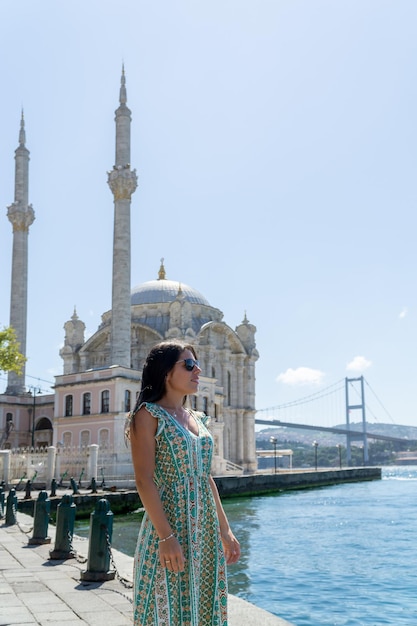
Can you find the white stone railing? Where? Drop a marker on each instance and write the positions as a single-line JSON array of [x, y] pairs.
[[63, 463]]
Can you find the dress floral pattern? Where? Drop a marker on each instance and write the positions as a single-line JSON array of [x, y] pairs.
[[197, 596]]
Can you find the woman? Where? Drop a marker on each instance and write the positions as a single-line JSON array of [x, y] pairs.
[[185, 539]]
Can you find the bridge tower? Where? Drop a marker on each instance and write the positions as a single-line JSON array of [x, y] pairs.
[[352, 407]]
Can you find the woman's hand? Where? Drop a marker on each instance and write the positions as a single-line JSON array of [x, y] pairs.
[[171, 555], [231, 547]]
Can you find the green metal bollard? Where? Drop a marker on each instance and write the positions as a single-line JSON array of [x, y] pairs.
[[1, 502], [65, 517], [101, 529], [11, 507], [41, 520], [28, 490]]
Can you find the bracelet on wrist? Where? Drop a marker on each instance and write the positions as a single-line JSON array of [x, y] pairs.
[[166, 538]]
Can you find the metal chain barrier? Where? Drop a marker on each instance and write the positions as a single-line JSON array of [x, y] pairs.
[[126, 583], [78, 558]]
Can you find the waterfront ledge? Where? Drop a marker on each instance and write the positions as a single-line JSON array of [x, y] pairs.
[[260, 483], [124, 500]]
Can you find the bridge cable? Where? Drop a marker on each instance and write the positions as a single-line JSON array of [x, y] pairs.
[[380, 403], [306, 399]]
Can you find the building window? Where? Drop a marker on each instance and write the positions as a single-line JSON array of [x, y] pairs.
[[127, 400], [229, 389], [216, 412], [193, 402], [205, 405], [103, 438], [9, 424], [67, 439], [84, 438], [105, 401], [87, 403], [68, 406]]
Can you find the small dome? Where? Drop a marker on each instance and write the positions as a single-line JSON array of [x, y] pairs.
[[162, 290]]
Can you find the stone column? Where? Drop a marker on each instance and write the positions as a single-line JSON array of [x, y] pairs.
[[58, 464], [93, 461], [240, 434], [6, 459], [50, 471]]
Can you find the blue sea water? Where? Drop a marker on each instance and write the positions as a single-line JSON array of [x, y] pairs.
[[344, 555]]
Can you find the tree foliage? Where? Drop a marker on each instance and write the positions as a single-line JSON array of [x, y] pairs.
[[11, 360]]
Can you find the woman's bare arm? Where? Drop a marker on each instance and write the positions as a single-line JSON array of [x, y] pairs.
[[143, 445], [231, 545]]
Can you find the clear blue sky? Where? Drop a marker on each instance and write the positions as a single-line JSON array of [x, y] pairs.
[[276, 147]]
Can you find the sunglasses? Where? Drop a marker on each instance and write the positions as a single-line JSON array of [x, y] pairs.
[[189, 364]]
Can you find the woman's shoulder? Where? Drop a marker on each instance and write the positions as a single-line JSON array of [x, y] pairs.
[[146, 410], [151, 407], [157, 412]]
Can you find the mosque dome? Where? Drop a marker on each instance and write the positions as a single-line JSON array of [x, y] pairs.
[[163, 290]]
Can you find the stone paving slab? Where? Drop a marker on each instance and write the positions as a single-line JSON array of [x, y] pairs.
[[37, 590]]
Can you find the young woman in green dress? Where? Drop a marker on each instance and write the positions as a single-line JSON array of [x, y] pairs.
[[185, 541]]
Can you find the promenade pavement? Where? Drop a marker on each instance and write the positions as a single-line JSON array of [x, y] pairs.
[[37, 590]]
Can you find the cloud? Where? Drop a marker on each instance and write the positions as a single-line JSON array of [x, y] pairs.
[[358, 364], [403, 313], [301, 376]]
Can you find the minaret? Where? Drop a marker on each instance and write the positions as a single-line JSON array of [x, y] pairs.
[[21, 215], [122, 182]]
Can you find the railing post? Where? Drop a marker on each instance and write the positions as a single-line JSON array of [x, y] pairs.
[[65, 517], [41, 520], [101, 529], [28, 490], [53, 488], [74, 486], [11, 507]]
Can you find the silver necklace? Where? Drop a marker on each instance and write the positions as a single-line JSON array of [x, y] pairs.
[[183, 422]]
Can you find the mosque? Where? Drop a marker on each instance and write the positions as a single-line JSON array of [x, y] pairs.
[[101, 376]]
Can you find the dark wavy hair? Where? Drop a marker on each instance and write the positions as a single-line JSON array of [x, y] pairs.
[[159, 362]]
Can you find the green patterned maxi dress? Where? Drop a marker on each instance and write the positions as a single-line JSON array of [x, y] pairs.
[[197, 596]]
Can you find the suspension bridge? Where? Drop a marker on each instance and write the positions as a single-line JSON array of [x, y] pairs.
[[343, 398]]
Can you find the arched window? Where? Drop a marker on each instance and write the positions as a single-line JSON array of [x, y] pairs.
[[68, 406], [103, 438], [9, 424], [67, 439], [193, 402], [105, 401], [229, 389], [127, 400], [205, 405], [84, 438], [87, 403]]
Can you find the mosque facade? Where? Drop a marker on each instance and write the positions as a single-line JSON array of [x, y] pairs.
[[102, 375]]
